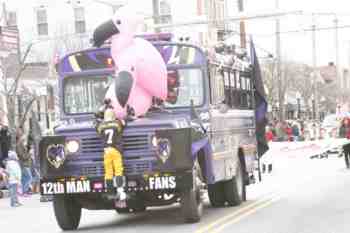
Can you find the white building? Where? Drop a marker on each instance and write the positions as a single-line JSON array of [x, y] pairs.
[[212, 11], [58, 26]]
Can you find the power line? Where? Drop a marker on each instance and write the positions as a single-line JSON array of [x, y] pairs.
[[305, 30]]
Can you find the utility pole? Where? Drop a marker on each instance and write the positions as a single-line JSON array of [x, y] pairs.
[[278, 67], [242, 25], [314, 64], [338, 81], [156, 14], [337, 60]]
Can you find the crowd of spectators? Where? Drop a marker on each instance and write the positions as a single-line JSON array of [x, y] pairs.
[[279, 131], [24, 155]]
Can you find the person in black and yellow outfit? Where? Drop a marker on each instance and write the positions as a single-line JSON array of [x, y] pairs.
[[111, 128]]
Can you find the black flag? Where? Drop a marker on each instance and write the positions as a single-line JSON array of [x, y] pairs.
[[260, 102]]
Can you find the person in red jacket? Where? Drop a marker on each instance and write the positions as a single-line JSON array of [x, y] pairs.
[[289, 132], [344, 132], [269, 135]]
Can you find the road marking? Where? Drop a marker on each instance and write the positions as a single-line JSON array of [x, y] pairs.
[[238, 213], [246, 214]]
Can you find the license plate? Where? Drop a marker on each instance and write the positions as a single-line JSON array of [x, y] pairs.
[[161, 182], [67, 187]]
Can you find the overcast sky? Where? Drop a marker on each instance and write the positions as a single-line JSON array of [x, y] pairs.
[[298, 45], [295, 45]]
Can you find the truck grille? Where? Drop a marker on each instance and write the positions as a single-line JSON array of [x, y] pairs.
[[91, 145], [137, 156], [130, 143], [135, 142], [97, 169]]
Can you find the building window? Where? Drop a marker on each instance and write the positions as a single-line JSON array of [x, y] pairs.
[[43, 28], [12, 18], [79, 18], [202, 7], [165, 12]]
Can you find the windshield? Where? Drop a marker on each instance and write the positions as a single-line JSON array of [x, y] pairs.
[[191, 87], [85, 94]]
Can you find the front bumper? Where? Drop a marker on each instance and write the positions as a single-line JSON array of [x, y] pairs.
[[155, 182]]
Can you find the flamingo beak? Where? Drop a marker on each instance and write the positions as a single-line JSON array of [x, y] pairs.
[[104, 32], [123, 85]]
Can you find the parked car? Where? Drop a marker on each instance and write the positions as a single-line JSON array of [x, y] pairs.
[[330, 125]]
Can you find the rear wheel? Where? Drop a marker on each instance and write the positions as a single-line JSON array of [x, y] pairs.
[[234, 189], [67, 212], [216, 194], [347, 162]]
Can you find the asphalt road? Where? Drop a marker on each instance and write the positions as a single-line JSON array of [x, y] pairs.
[[301, 196]]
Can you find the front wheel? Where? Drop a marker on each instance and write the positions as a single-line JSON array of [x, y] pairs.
[[191, 206], [191, 200], [235, 190], [67, 212]]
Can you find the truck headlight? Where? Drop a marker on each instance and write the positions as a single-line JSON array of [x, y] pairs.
[[72, 146]]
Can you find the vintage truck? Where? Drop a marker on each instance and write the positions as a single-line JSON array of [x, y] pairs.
[[203, 141]]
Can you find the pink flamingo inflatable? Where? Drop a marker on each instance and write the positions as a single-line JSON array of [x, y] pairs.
[[140, 70]]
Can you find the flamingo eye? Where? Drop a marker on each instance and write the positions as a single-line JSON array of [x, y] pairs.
[[118, 22]]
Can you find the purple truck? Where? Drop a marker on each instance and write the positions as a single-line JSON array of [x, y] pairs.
[[203, 140]]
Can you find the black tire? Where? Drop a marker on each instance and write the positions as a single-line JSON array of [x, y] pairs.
[[347, 162], [234, 189], [67, 212], [216, 194], [191, 206], [191, 201]]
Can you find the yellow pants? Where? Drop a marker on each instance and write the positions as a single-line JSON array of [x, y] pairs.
[[113, 163]]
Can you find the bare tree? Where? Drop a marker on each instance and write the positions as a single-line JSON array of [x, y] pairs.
[[278, 88], [11, 90], [303, 83], [269, 77]]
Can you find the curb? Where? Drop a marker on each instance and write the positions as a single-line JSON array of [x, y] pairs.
[[4, 194]]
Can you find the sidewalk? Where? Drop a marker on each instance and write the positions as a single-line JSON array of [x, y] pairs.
[[290, 172], [32, 201]]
